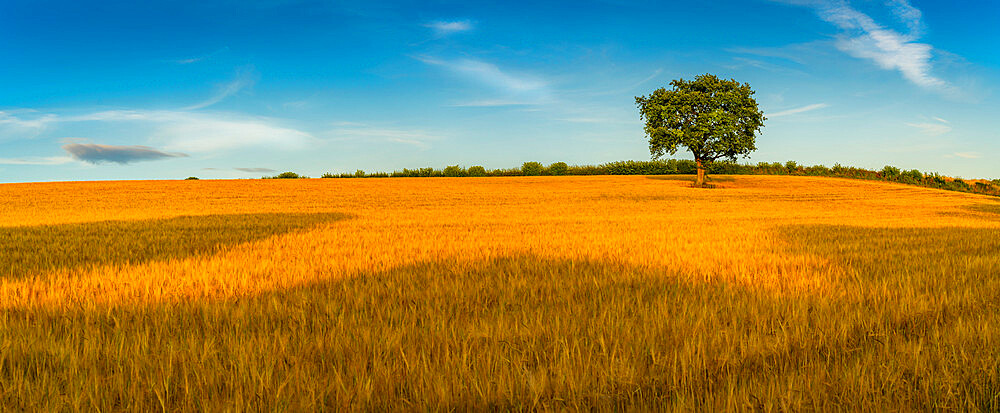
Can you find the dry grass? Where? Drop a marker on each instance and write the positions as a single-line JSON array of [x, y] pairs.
[[545, 292]]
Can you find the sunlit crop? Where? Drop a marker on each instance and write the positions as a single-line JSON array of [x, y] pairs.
[[528, 292]]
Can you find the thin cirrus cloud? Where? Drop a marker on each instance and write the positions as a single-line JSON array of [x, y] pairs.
[[37, 160], [513, 88], [245, 77], [208, 132], [794, 111], [447, 27], [967, 155], [359, 131], [96, 153], [15, 126], [255, 170], [863, 37], [939, 127]]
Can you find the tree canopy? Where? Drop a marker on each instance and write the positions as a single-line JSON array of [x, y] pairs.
[[712, 117]]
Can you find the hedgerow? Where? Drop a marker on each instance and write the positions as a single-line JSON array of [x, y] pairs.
[[888, 173]]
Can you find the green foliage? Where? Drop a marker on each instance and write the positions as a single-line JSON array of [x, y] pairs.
[[586, 170], [477, 171], [817, 170], [912, 176], [532, 169], [191, 178], [657, 167], [686, 167], [890, 172], [711, 117], [727, 168], [328, 175], [558, 168], [286, 175], [454, 171]]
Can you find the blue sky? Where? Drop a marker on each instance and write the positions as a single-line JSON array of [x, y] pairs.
[[239, 89]]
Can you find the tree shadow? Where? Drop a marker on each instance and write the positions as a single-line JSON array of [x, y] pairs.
[[691, 178], [524, 332], [36, 250]]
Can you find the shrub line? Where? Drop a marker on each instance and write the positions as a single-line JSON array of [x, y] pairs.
[[688, 167]]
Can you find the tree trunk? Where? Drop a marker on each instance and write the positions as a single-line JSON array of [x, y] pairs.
[[700, 181]]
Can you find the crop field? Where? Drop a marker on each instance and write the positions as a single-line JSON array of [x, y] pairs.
[[628, 292]]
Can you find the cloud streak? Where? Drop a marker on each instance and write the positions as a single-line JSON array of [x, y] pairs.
[[515, 87], [255, 170], [245, 77], [201, 132], [43, 160], [17, 127], [864, 38], [932, 129], [354, 131], [95, 153], [446, 27], [806, 108]]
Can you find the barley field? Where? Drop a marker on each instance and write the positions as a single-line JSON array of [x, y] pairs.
[[524, 293]]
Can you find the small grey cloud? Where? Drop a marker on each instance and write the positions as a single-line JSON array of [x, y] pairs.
[[255, 169], [96, 153]]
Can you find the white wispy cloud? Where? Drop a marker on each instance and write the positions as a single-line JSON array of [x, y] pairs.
[[514, 87], [18, 126], [931, 128], [967, 155], [207, 132], [806, 108], [371, 133], [865, 38], [197, 59], [492, 103], [37, 160], [245, 77], [489, 74], [446, 27]]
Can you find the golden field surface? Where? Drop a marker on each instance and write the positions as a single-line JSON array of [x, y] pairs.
[[623, 292]]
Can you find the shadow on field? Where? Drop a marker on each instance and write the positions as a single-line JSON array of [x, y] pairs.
[[528, 333], [691, 178], [933, 255], [992, 209], [35, 250]]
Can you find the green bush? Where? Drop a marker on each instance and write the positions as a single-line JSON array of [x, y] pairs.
[[477, 171], [558, 168], [532, 168], [792, 167], [454, 171], [328, 175], [191, 178], [890, 172], [912, 176], [687, 167], [726, 168], [817, 170], [586, 170], [287, 175]]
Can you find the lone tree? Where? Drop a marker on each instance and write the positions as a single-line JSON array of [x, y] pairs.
[[711, 117]]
